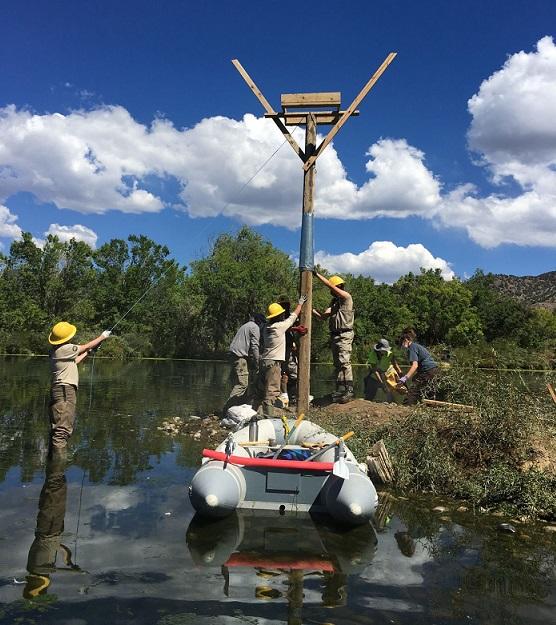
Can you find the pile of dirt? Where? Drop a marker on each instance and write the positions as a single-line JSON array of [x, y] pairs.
[[370, 413]]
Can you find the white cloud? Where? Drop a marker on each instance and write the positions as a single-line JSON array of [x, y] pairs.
[[97, 160], [384, 261], [77, 232], [400, 184], [78, 161], [102, 159], [513, 112], [513, 132], [8, 227]]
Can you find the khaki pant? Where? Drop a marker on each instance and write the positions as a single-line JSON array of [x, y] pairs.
[[242, 377], [268, 386], [342, 344], [63, 398]]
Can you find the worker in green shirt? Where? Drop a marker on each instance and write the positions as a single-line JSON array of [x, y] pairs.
[[384, 371]]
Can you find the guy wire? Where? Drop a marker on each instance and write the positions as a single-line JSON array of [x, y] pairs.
[[242, 188]]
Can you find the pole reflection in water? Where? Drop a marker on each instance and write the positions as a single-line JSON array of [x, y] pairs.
[[48, 554], [280, 555]]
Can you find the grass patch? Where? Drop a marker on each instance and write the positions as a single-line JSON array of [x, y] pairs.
[[487, 456]]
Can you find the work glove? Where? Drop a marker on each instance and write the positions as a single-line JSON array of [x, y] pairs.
[[403, 379], [302, 300], [299, 329], [314, 271], [106, 334]]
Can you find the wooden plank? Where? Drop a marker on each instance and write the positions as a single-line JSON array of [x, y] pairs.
[[258, 93], [551, 391], [297, 100], [300, 118], [266, 105], [379, 464], [334, 130], [447, 404]]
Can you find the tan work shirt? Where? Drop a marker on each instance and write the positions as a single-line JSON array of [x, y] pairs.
[[275, 339], [341, 314], [63, 366]]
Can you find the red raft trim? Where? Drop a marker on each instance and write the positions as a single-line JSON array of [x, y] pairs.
[[277, 562], [268, 462]]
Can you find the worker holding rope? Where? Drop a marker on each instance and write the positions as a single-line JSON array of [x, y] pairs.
[[64, 358]]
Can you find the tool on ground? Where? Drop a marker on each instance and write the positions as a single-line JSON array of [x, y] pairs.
[[289, 435], [331, 446], [340, 468]]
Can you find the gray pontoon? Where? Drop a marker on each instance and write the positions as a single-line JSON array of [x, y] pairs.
[[245, 474]]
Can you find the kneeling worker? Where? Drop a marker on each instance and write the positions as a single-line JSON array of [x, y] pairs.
[[384, 372], [340, 322], [423, 367]]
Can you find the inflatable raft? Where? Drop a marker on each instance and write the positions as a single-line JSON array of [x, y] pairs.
[[284, 468]]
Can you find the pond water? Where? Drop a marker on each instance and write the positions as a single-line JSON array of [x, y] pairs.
[[131, 551]]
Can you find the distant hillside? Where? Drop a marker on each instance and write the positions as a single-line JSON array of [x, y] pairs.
[[531, 290]]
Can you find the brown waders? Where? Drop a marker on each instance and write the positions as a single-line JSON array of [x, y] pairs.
[[242, 375], [268, 386], [342, 344], [63, 399]]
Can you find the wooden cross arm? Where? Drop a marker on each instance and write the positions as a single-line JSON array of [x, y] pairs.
[[349, 111], [270, 111]]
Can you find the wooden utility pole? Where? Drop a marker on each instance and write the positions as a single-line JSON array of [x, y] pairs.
[[306, 277], [296, 111]]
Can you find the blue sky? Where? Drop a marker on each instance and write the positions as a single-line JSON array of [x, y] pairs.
[[128, 117]]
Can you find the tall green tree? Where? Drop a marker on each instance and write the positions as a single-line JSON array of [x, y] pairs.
[[439, 306], [241, 275]]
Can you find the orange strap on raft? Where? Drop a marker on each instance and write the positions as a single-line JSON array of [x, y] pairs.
[[268, 462]]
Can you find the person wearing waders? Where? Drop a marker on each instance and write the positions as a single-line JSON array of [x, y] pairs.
[[64, 358], [340, 322], [288, 382], [244, 354], [423, 368], [273, 355]]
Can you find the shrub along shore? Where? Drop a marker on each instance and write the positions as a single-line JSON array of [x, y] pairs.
[[501, 455], [164, 309]]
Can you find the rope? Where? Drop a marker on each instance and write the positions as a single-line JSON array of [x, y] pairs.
[[242, 188]]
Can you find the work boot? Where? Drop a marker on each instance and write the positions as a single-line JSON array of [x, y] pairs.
[[338, 393], [348, 395]]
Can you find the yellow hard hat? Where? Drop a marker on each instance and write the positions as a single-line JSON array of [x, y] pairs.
[[61, 332], [336, 280], [274, 310]]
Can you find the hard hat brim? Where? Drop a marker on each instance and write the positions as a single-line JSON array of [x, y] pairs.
[[53, 341]]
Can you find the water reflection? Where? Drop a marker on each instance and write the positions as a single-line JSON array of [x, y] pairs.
[[48, 554], [278, 556], [124, 495]]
